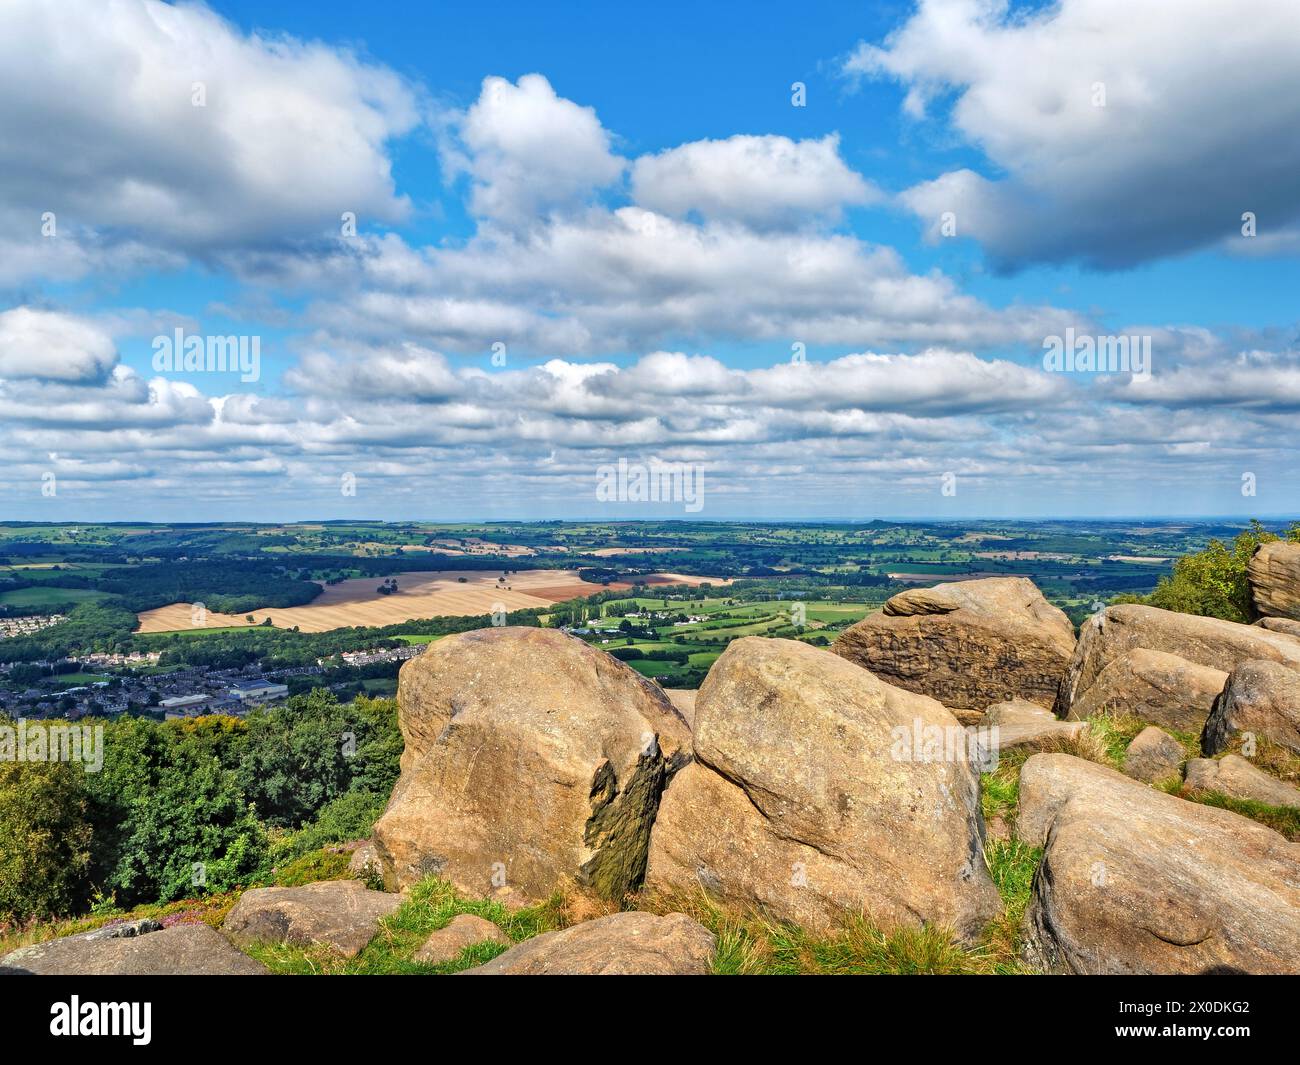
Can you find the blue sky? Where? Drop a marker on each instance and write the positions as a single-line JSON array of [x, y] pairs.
[[625, 197]]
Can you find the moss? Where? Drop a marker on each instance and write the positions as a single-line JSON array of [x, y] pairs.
[[317, 865], [619, 827]]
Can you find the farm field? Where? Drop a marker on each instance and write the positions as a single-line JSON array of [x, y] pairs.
[[43, 597], [421, 594]]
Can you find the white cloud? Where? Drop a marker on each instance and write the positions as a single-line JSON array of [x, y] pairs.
[[1201, 103], [767, 181], [53, 346], [99, 127], [528, 150], [632, 279], [1258, 380]]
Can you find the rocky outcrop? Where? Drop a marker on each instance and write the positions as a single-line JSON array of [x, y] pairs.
[[1262, 698], [182, 950], [1133, 880], [967, 644], [464, 930], [532, 760], [1153, 686], [1024, 725], [1153, 756], [1284, 625], [1235, 777], [623, 944], [1222, 645], [1274, 576], [817, 790], [342, 914]]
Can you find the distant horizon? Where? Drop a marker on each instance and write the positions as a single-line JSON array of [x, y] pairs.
[[692, 520]]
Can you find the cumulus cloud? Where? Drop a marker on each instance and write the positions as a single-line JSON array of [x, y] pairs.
[[53, 346], [633, 279], [100, 125], [1252, 380], [818, 437], [764, 182], [528, 150], [1121, 132]]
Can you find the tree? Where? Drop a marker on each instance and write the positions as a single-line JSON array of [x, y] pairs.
[[44, 839], [307, 751], [1213, 582], [193, 832]]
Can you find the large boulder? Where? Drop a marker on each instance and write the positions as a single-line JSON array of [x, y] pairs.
[[1260, 697], [182, 950], [1222, 645], [1274, 576], [967, 644], [623, 944], [342, 914], [817, 791], [532, 760], [1152, 686], [1133, 880], [1235, 777]]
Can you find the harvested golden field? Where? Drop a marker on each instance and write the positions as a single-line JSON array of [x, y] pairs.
[[611, 552], [426, 594], [683, 578]]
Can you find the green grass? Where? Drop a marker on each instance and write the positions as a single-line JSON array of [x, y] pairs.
[[1012, 865], [1281, 819], [751, 945], [38, 597], [429, 906], [417, 639]]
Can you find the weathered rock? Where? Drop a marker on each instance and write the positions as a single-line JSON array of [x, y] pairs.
[[531, 761], [683, 700], [182, 950], [1153, 756], [1284, 625], [1274, 576], [1223, 645], [808, 800], [465, 930], [623, 944], [1235, 777], [1022, 724], [343, 914], [1153, 686], [967, 644], [1260, 697], [1137, 881], [365, 861]]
